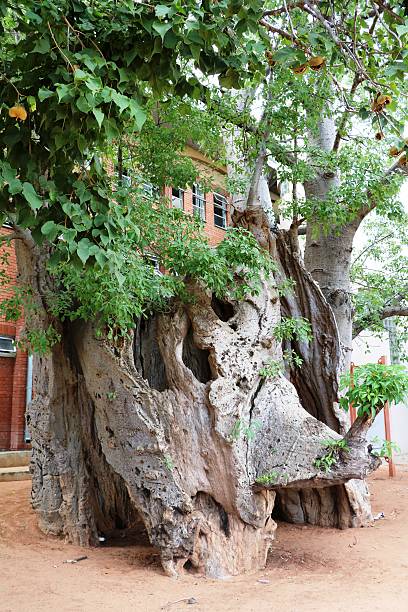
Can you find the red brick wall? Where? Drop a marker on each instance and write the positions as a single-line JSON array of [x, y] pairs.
[[13, 371], [215, 234]]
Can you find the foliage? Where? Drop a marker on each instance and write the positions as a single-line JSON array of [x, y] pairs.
[[293, 328], [379, 276], [267, 479], [168, 462], [248, 432], [373, 385], [286, 287], [129, 286], [292, 359], [334, 449], [272, 369], [95, 79], [383, 448], [170, 126], [83, 80]]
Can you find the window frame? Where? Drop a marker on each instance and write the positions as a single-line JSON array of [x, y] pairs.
[[149, 190], [180, 197], [223, 207], [8, 352], [199, 196]]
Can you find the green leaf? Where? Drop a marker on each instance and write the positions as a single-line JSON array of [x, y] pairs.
[[50, 230], [15, 186], [83, 249], [63, 92], [402, 29], [99, 116], [80, 75], [138, 113], [161, 28], [163, 10], [124, 75], [43, 94], [42, 46], [69, 235], [120, 100], [31, 196], [111, 129], [32, 103], [130, 55]]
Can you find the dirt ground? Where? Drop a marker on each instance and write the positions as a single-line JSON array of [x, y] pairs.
[[310, 569]]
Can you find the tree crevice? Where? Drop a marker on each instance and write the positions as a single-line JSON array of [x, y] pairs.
[[195, 358]]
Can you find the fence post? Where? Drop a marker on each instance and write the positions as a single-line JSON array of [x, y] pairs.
[[387, 427]]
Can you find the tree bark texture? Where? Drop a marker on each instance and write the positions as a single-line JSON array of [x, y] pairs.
[[327, 258], [316, 382], [175, 427]]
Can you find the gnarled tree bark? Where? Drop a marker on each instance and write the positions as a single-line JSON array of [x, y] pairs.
[[316, 382], [327, 259], [175, 427]]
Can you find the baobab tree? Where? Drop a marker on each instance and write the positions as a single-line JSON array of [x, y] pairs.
[[163, 398]]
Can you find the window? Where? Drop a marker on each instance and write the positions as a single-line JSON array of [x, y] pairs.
[[177, 198], [7, 346], [220, 211], [198, 202], [150, 190]]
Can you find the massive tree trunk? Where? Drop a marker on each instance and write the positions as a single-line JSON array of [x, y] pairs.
[[175, 426], [327, 259], [316, 382]]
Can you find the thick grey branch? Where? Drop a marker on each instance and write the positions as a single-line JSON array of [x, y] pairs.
[[289, 463]]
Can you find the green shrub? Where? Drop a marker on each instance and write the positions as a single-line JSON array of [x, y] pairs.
[[374, 384]]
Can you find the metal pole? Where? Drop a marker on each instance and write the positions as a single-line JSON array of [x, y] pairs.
[[29, 394], [387, 426]]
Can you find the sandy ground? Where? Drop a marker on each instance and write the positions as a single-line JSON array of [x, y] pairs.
[[310, 569]]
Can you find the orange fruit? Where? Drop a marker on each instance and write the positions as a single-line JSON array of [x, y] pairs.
[[316, 63], [301, 69], [19, 112], [383, 100], [394, 152], [403, 160]]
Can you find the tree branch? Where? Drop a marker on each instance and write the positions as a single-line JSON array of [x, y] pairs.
[[356, 82], [7, 237], [394, 311], [388, 10], [380, 239], [275, 30], [370, 198], [313, 10], [283, 9]]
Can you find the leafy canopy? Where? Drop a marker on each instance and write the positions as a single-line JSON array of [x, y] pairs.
[[81, 80]]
